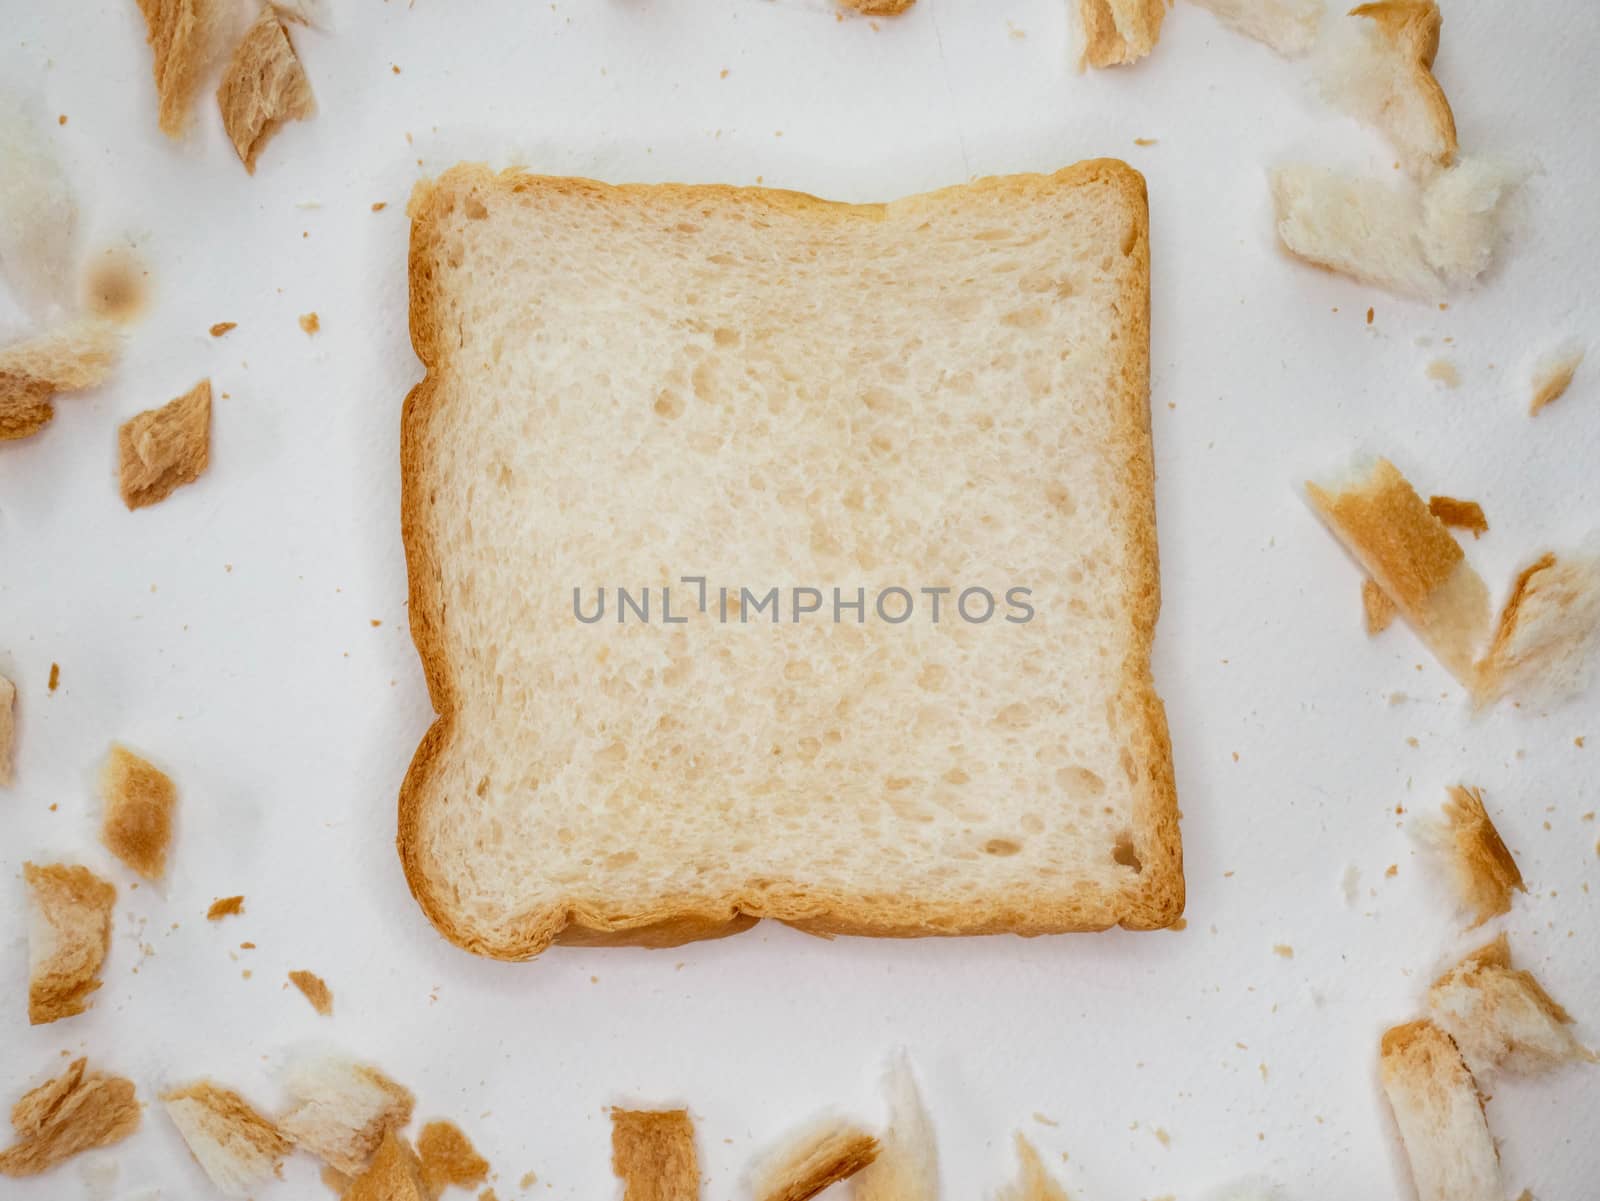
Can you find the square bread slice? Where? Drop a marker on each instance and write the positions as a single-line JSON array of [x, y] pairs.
[[676, 390]]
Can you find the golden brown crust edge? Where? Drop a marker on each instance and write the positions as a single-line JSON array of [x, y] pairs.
[[1155, 902]]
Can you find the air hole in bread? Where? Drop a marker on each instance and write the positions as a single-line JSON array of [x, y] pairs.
[[956, 776], [933, 677], [669, 404], [723, 336], [1014, 716], [474, 208], [1001, 847], [1124, 853], [1061, 501], [1080, 783], [483, 786]]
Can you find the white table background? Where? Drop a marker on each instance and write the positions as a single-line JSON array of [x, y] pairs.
[[227, 632]]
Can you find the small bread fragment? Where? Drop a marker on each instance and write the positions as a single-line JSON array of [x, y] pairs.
[[1379, 68], [878, 8], [1547, 639], [264, 86], [1119, 31], [137, 823], [820, 1155], [162, 449], [185, 36], [8, 727], [224, 907], [1287, 26], [1378, 609], [449, 1158], [1552, 376], [1459, 514], [907, 1167], [395, 1174], [315, 989], [1439, 1111], [1501, 1017], [1482, 868], [342, 1111], [237, 1147], [1033, 1182], [77, 1111], [38, 214], [76, 356], [69, 931], [1409, 553], [653, 1153]]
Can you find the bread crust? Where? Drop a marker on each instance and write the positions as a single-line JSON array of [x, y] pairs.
[[1155, 901]]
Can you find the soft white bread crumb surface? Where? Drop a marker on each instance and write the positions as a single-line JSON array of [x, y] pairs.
[[1462, 217], [1547, 640], [1439, 1112], [907, 1167], [633, 385], [1288, 26], [341, 1110], [238, 1148]]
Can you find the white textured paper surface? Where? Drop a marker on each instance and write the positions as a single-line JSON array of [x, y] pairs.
[[227, 633]]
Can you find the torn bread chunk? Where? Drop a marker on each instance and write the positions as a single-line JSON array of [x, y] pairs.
[[1377, 65], [820, 1155], [449, 1158], [77, 1111], [1481, 867], [1033, 1182], [1439, 1111], [76, 356], [1388, 530], [1552, 376], [1287, 26], [69, 931], [238, 1148], [139, 801], [38, 214], [653, 1154], [1547, 639], [1119, 31], [8, 730], [907, 1166], [162, 449], [263, 87], [1501, 1017], [395, 1174], [1462, 218], [1459, 514], [185, 36], [342, 1111], [315, 990], [1377, 608]]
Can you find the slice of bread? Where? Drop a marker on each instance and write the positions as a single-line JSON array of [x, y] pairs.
[[1501, 1017], [237, 1147], [1288, 26], [1119, 31], [907, 1165], [640, 386], [1387, 528], [653, 1154], [1439, 1111], [69, 932], [1377, 65], [342, 1111], [820, 1155], [76, 1111]]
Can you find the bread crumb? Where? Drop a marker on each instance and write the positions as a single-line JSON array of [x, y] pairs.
[[55, 677], [1377, 609], [448, 1157], [315, 990], [139, 800], [1443, 371], [223, 327], [224, 907], [1283, 950], [264, 86], [310, 322], [163, 449], [76, 1111], [8, 697], [529, 1179], [1460, 514], [1551, 379], [1144, 141], [1390, 872], [379, 205], [1369, 316], [1484, 871], [69, 935]]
